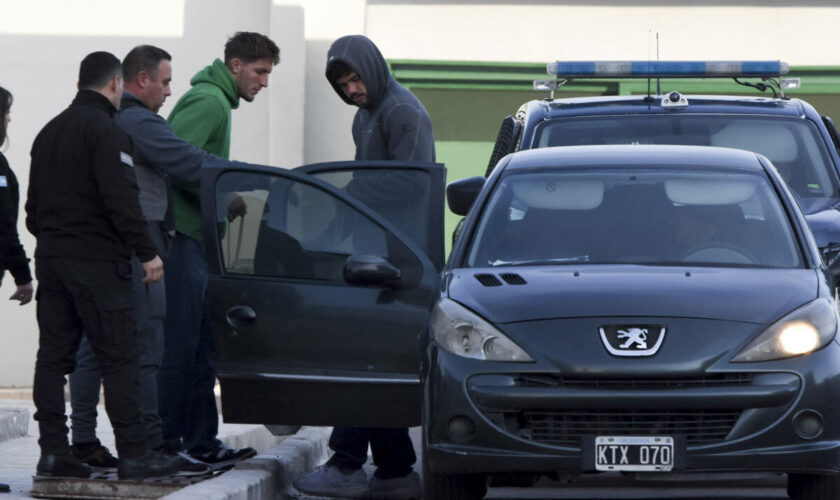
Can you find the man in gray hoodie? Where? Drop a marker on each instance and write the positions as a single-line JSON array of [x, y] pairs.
[[391, 124], [159, 156]]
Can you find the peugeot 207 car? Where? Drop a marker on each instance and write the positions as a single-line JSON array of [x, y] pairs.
[[606, 308], [635, 309]]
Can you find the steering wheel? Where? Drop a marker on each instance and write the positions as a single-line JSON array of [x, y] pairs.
[[718, 252]]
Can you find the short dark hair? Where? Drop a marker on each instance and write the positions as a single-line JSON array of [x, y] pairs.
[[143, 58], [5, 106], [249, 47], [97, 69], [336, 70]]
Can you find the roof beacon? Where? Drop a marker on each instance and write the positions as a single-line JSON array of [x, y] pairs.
[[663, 69]]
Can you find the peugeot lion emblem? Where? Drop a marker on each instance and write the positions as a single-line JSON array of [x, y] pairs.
[[632, 340]]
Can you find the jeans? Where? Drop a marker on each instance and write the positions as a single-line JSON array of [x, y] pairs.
[[92, 298], [85, 381], [393, 453], [188, 373]]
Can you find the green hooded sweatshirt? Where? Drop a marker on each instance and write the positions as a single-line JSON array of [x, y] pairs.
[[202, 117]]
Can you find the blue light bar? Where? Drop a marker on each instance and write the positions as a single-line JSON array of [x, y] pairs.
[[662, 69]]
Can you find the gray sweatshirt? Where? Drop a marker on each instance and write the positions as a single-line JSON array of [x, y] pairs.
[[393, 125]]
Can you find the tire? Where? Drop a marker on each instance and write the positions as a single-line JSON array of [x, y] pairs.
[[451, 486], [813, 487], [457, 231], [504, 144]]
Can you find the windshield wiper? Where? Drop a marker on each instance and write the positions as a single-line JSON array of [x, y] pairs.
[[540, 262]]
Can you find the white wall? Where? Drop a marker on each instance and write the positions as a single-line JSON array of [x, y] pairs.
[[801, 33]]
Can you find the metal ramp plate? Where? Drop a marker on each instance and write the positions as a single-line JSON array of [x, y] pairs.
[[106, 485]]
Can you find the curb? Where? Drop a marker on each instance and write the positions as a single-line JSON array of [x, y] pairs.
[[268, 475], [14, 423]]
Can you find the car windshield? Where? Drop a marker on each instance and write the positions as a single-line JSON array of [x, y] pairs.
[[653, 216], [792, 144]]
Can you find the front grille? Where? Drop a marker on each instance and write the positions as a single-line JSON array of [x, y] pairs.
[[710, 380], [566, 427]]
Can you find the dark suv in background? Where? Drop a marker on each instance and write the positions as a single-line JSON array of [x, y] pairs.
[[798, 140]]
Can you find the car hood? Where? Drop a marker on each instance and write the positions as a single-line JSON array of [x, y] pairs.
[[504, 295]]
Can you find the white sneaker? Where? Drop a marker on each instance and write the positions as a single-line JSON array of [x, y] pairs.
[[407, 486], [329, 481]]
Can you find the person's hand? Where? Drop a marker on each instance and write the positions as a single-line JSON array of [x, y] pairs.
[[236, 206], [154, 270], [23, 294]]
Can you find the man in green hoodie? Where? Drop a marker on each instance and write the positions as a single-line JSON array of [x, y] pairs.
[[202, 117]]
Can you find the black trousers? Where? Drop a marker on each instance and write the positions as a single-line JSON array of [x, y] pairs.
[[94, 298], [393, 453]]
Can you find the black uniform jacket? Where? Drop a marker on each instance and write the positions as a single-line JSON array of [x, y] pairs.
[[12, 256], [83, 197]]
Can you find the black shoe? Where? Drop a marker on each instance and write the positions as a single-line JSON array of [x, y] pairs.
[[224, 453], [152, 464], [187, 463], [62, 466], [94, 454], [4, 488]]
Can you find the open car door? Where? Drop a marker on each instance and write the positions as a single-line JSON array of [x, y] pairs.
[[317, 300]]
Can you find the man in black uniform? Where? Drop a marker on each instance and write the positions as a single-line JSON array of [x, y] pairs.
[[84, 211]]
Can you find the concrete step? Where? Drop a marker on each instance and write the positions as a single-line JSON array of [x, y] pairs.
[[14, 423]]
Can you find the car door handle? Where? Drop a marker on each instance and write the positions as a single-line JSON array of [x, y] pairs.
[[240, 316]]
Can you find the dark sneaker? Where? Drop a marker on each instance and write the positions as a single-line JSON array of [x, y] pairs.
[[4, 488], [152, 464], [224, 453], [62, 466], [407, 486], [329, 481], [94, 454], [186, 462]]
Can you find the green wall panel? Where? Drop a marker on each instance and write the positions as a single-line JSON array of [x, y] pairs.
[[462, 159]]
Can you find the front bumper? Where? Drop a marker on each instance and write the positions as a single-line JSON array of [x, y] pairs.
[[484, 417]]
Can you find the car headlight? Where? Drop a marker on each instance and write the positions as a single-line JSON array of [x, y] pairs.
[[458, 330], [803, 331]]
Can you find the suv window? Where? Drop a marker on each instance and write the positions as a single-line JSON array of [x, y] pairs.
[[630, 215], [793, 145]]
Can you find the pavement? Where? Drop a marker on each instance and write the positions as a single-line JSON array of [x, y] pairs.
[[269, 475]]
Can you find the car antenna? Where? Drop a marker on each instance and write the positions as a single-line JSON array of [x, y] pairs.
[[658, 81], [649, 98]]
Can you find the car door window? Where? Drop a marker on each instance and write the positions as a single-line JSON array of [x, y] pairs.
[[293, 229], [402, 196]]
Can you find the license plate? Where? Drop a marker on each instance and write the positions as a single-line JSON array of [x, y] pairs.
[[634, 453]]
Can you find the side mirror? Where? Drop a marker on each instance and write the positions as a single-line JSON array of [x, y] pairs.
[[831, 258], [460, 195], [371, 270], [825, 227]]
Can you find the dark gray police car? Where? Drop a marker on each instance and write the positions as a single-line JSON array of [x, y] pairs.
[[610, 308]]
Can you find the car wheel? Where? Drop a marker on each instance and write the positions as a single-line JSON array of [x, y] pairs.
[[813, 487], [451, 486], [504, 144]]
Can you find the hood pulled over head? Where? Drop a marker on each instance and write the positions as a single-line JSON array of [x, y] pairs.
[[362, 56]]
